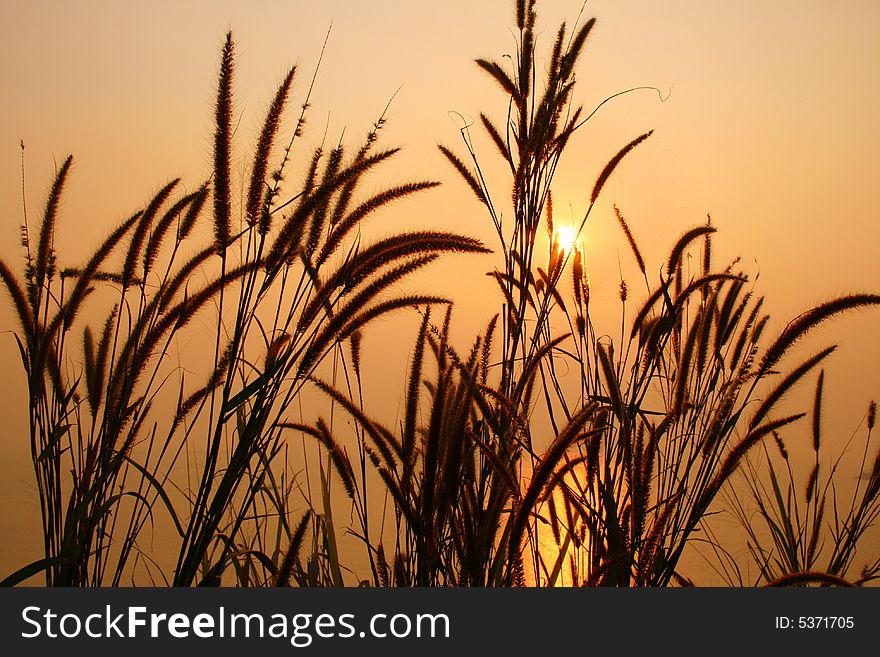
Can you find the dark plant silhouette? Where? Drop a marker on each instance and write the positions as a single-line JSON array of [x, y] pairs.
[[502, 470], [622, 474], [290, 279]]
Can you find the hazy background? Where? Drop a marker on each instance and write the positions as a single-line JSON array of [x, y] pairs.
[[770, 124]]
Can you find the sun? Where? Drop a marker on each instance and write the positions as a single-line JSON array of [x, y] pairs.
[[566, 237]]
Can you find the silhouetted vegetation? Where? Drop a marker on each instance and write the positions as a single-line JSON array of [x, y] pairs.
[[502, 471]]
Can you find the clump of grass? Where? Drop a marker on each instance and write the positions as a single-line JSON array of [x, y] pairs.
[[802, 525], [631, 459], [498, 455], [294, 279]]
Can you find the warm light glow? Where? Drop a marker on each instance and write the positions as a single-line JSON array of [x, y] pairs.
[[566, 238]]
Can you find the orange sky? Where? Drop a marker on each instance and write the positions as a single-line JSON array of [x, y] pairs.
[[771, 125]]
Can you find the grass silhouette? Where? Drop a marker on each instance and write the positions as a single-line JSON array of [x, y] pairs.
[[616, 466]]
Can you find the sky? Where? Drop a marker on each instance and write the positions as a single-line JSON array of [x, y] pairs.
[[768, 122]]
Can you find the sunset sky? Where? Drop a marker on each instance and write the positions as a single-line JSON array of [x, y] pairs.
[[769, 123]]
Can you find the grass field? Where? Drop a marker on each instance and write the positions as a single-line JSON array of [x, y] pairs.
[[201, 377]]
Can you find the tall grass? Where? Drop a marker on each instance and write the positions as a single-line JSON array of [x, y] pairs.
[[801, 521], [498, 454], [502, 471], [285, 283]]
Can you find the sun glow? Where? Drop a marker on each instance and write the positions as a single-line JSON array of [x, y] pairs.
[[566, 237]]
